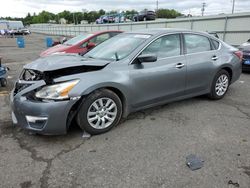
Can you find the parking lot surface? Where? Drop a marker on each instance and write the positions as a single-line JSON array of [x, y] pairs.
[[148, 149]]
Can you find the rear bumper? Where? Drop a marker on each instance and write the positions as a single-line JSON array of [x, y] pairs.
[[150, 17], [41, 117]]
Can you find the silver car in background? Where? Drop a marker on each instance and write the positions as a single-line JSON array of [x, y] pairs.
[[129, 72]]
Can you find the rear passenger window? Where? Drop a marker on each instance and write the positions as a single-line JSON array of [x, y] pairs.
[[166, 46], [216, 44], [196, 43]]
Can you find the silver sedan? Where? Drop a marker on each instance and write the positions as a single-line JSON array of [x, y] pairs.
[[129, 72]]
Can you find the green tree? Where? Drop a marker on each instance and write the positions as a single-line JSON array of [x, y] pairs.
[[35, 20], [112, 12], [66, 15], [167, 13], [91, 16], [102, 12], [76, 17], [130, 14], [45, 17], [28, 19]]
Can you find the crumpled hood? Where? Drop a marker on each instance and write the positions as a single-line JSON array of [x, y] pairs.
[[56, 62]]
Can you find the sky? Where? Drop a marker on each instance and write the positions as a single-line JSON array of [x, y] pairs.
[[20, 8]]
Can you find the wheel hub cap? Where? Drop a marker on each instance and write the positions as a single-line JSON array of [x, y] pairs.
[[221, 85], [102, 113]]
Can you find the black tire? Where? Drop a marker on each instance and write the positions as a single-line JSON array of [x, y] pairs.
[[82, 119], [3, 82], [213, 94]]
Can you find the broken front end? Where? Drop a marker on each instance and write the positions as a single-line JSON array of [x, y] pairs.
[[41, 100]]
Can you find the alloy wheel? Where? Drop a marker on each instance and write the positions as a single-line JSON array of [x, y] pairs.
[[221, 85], [102, 113]]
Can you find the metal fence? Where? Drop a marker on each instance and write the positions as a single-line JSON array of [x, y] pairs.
[[231, 28]]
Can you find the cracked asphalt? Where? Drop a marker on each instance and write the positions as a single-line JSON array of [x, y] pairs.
[[148, 149]]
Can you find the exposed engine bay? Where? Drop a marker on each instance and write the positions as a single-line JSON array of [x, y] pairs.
[[49, 76]]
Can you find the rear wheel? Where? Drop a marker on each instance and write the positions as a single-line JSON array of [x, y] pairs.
[[100, 112], [220, 85]]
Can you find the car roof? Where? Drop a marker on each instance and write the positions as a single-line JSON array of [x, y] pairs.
[[107, 31], [159, 31]]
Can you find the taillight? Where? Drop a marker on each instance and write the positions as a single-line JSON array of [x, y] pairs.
[[239, 54]]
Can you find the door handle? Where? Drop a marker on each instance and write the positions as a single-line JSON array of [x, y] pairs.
[[179, 65], [214, 58]]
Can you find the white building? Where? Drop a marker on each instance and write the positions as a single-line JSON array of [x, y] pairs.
[[63, 21]]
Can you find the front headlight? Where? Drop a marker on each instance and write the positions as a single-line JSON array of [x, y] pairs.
[[56, 92]]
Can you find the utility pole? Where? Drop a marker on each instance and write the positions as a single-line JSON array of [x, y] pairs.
[[233, 6], [203, 9], [157, 8], [74, 18]]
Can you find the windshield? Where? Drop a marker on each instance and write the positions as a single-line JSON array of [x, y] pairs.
[[117, 47], [77, 39]]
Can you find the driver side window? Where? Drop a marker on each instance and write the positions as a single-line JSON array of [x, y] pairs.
[[166, 46]]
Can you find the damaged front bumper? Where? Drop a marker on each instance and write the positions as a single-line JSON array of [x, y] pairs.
[[44, 117], [40, 110]]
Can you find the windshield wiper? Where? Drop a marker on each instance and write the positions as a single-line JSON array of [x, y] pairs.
[[91, 57]]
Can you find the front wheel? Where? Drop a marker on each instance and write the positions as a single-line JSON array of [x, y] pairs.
[[3, 82], [100, 112], [220, 85]]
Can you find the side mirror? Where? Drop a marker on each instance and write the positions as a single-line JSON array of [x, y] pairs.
[[91, 45], [248, 40], [147, 58]]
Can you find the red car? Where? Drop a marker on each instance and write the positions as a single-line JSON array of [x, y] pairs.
[[81, 43]]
